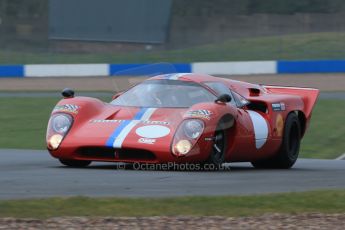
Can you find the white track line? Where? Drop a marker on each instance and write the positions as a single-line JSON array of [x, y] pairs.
[[342, 157]]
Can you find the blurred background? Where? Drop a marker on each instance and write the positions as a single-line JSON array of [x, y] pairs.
[[115, 31], [306, 36]]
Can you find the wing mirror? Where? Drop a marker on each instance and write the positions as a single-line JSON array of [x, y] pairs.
[[224, 98], [67, 93]]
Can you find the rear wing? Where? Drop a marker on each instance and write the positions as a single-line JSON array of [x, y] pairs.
[[308, 95]]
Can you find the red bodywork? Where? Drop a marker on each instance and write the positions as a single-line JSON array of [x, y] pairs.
[[95, 122]]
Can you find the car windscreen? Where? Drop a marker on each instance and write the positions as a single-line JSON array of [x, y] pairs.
[[164, 93]]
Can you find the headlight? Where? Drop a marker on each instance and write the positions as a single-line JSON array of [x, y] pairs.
[[186, 136], [183, 147], [61, 123], [55, 141], [193, 128], [58, 127]]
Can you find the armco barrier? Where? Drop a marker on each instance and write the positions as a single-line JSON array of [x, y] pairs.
[[319, 66], [229, 68], [11, 71], [71, 70]]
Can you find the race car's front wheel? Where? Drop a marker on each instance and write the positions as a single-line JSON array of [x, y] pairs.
[[217, 155], [75, 163], [289, 150]]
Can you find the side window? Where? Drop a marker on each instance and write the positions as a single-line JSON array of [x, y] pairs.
[[240, 100], [220, 89]]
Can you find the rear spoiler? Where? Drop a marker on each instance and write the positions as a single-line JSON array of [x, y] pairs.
[[308, 95]]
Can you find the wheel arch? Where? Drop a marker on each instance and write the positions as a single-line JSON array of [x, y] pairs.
[[302, 121], [226, 122], [223, 125]]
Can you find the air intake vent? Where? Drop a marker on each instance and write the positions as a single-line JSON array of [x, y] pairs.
[[97, 152], [118, 154]]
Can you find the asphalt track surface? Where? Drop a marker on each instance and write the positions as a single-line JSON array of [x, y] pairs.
[[34, 174]]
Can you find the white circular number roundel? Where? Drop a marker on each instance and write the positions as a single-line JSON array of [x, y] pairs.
[[260, 128], [153, 131]]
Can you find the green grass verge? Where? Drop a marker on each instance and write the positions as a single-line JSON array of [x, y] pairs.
[[292, 203], [325, 137], [288, 47], [24, 120]]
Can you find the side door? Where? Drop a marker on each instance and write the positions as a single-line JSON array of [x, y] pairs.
[[259, 126]]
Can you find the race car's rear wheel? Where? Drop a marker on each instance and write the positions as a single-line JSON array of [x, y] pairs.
[[289, 150], [75, 163]]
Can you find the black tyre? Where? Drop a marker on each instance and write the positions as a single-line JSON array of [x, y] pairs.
[[75, 163], [289, 150], [217, 155]]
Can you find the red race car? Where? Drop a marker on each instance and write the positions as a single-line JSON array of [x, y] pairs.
[[184, 118]]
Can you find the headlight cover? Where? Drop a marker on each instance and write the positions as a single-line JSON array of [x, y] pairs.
[[58, 126], [61, 123], [193, 128], [187, 136]]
